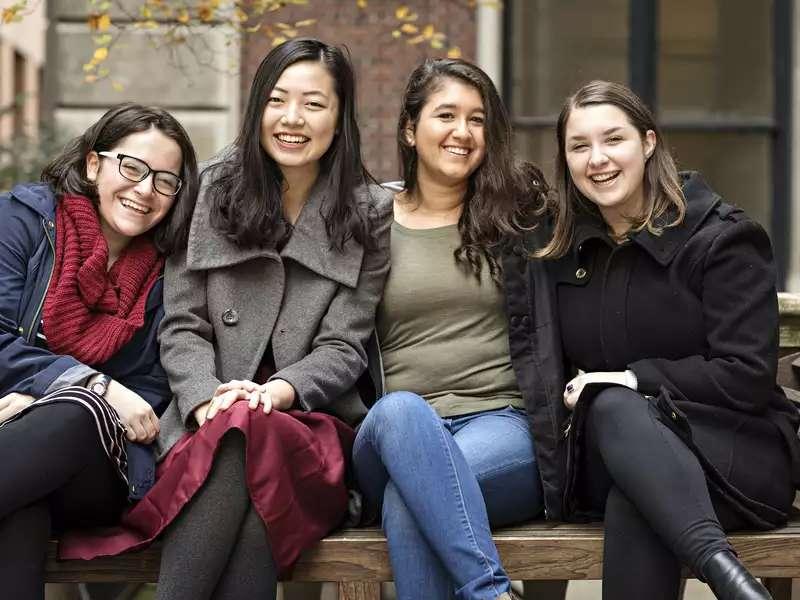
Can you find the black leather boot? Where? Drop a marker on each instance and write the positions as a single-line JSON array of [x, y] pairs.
[[729, 580]]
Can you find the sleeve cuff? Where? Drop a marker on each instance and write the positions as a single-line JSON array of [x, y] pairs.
[[77, 375]]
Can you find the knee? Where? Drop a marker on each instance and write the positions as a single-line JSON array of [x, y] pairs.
[[72, 418], [612, 404], [397, 410]]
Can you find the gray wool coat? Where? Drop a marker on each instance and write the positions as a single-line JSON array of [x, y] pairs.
[[223, 304]]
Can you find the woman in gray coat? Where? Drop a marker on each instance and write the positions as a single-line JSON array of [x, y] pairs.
[[267, 314]]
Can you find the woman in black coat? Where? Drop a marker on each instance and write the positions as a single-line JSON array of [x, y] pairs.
[[663, 297]]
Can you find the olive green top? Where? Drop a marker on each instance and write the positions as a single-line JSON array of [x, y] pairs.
[[442, 334]]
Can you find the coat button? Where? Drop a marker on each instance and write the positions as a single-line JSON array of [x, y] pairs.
[[580, 273], [514, 321], [526, 321], [230, 317]]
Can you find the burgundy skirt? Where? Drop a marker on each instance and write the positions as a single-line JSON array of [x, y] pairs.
[[295, 467]]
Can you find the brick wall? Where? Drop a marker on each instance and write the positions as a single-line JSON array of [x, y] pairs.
[[382, 63]]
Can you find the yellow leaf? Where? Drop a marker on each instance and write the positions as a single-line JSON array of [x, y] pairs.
[[100, 54], [283, 26], [88, 67], [428, 32], [104, 22], [361, 3], [401, 12], [305, 23], [278, 40], [117, 86], [416, 40], [10, 14], [90, 78], [183, 16], [396, 33], [454, 52], [437, 44], [409, 28]]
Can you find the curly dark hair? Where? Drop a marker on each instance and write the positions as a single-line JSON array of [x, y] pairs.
[[504, 196]]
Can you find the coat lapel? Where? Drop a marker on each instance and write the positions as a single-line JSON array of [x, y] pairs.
[[209, 248], [309, 245]]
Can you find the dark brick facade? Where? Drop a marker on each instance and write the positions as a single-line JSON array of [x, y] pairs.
[[382, 63]]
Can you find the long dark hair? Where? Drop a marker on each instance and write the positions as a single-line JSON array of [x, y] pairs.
[[245, 192], [503, 196], [66, 174], [664, 204]]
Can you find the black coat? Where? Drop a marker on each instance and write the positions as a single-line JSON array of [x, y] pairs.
[[697, 310]]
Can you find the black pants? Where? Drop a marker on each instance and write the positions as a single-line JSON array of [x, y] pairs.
[[53, 474], [658, 510]]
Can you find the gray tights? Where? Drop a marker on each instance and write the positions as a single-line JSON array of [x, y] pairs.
[[217, 546]]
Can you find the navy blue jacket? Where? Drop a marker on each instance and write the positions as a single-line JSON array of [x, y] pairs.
[[27, 243]]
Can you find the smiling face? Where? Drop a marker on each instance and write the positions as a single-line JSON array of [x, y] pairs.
[[127, 209], [606, 158], [449, 134], [300, 117]]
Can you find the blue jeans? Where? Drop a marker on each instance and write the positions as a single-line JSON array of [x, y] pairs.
[[442, 483]]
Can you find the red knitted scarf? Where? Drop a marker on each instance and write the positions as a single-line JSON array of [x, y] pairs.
[[91, 312]]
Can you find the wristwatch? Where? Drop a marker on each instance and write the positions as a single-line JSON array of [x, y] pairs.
[[100, 385]]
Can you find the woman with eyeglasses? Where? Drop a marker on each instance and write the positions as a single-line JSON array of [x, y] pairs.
[[81, 386]]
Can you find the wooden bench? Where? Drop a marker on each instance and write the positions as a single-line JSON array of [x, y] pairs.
[[358, 559]]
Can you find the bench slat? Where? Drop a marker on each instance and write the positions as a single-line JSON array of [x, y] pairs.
[[535, 551]]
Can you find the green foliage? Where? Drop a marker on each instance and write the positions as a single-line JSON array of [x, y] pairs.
[[23, 157]]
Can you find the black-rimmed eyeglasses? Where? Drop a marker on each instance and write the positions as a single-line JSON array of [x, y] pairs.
[[135, 169]]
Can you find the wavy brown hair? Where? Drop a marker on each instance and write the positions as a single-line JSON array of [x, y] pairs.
[[503, 196], [664, 204]]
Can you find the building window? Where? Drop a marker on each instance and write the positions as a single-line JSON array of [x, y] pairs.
[[716, 73]]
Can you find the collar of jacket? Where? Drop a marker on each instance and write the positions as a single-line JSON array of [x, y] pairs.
[[700, 201], [38, 197], [309, 245]]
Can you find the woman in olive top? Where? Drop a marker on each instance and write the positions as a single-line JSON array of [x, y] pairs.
[[448, 450]]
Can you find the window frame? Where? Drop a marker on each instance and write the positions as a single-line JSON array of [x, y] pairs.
[[643, 79]]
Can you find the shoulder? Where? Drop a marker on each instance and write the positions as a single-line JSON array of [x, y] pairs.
[[377, 203], [23, 210], [724, 228], [378, 197], [709, 216], [35, 199]]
